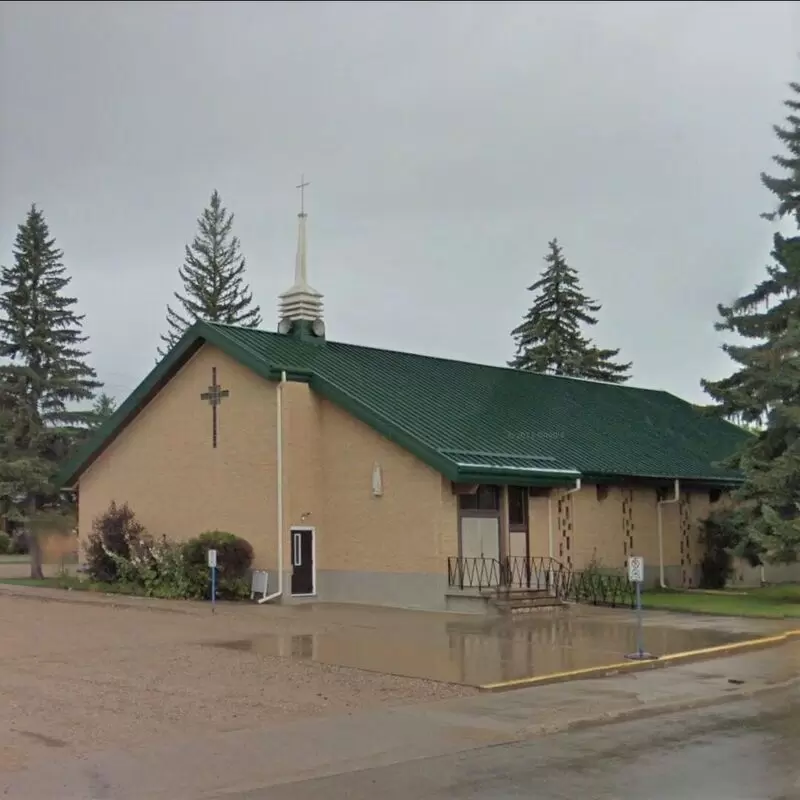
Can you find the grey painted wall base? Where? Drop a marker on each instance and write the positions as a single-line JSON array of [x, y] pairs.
[[673, 576], [414, 590], [394, 589], [745, 575]]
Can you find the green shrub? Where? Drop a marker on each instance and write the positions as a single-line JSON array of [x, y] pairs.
[[720, 534], [112, 534], [234, 559], [5, 543]]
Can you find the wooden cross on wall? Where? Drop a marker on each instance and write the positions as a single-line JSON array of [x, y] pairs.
[[214, 397]]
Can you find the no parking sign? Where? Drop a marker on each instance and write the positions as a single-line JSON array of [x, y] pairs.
[[636, 569]]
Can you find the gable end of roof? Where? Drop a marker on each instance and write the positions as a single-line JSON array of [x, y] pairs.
[[195, 337]]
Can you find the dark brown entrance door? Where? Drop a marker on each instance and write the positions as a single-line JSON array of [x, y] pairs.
[[302, 561]]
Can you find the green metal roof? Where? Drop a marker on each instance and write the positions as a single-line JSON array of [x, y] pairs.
[[471, 422]]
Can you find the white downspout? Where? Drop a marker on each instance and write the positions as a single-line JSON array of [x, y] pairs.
[[660, 503], [279, 463]]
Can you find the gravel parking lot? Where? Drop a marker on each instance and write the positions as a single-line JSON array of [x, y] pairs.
[[83, 676]]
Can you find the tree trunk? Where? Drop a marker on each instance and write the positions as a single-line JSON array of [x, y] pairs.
[[35, 555], [34, 550]]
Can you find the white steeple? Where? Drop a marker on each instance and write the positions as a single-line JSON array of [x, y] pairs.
[[300, 302]]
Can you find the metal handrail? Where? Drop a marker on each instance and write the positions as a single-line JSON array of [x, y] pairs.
[[511, 572], [474, 573], [540, 573], [599, 589]]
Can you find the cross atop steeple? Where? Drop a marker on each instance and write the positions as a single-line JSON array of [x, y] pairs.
[[302, 186]]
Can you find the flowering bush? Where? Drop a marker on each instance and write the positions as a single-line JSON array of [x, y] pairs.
[[121, 551], [112, 533], [157, 567]]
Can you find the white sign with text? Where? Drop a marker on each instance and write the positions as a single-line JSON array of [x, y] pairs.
[[636, 569], [212, 558]]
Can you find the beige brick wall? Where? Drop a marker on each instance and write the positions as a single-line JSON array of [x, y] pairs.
[[412, 527], [164, 466], [599, 533], [538, 526]]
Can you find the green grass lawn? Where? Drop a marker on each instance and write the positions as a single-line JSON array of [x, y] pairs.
[[777, 602]]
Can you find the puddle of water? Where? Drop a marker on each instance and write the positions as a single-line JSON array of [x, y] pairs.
[[481, 651], [273, 644]]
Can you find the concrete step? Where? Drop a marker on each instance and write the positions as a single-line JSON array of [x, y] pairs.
[[519, 601], [529, 601], [515, 594], [515, 610]]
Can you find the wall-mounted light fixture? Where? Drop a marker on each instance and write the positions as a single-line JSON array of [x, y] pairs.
[[377, 480]]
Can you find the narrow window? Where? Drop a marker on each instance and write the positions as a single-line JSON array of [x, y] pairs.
[[517, 508]]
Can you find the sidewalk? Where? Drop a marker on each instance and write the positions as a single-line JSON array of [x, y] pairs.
[[198, 766]]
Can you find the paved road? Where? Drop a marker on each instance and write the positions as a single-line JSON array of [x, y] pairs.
[[747, 750]]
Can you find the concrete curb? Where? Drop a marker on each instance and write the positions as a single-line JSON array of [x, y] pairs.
[[672, 659], [698, 613], [657, 710]]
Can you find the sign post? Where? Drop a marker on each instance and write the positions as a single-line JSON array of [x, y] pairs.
[[212, 563], [636, 577]]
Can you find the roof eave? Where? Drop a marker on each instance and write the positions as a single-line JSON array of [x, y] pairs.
[[292, 374], [504, 477], [713, 482]]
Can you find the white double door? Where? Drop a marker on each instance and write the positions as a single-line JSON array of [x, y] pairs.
[[480, 537]]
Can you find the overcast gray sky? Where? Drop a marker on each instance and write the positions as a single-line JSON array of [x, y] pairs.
[[445, 143]]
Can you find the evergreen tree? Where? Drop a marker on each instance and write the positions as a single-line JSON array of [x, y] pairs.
[[103, 408], [764, 391], [550, 338], [787, 187], [213, 279], [42, 371]]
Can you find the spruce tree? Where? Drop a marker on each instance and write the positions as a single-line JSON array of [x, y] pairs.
[[550, 338], [213, 279], [764, 391], [103, 408], [43, 372], [787, 187]]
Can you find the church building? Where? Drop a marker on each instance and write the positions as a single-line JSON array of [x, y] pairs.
[[374, 476]]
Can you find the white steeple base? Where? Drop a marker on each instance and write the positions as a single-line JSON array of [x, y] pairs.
[[300, 302]]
